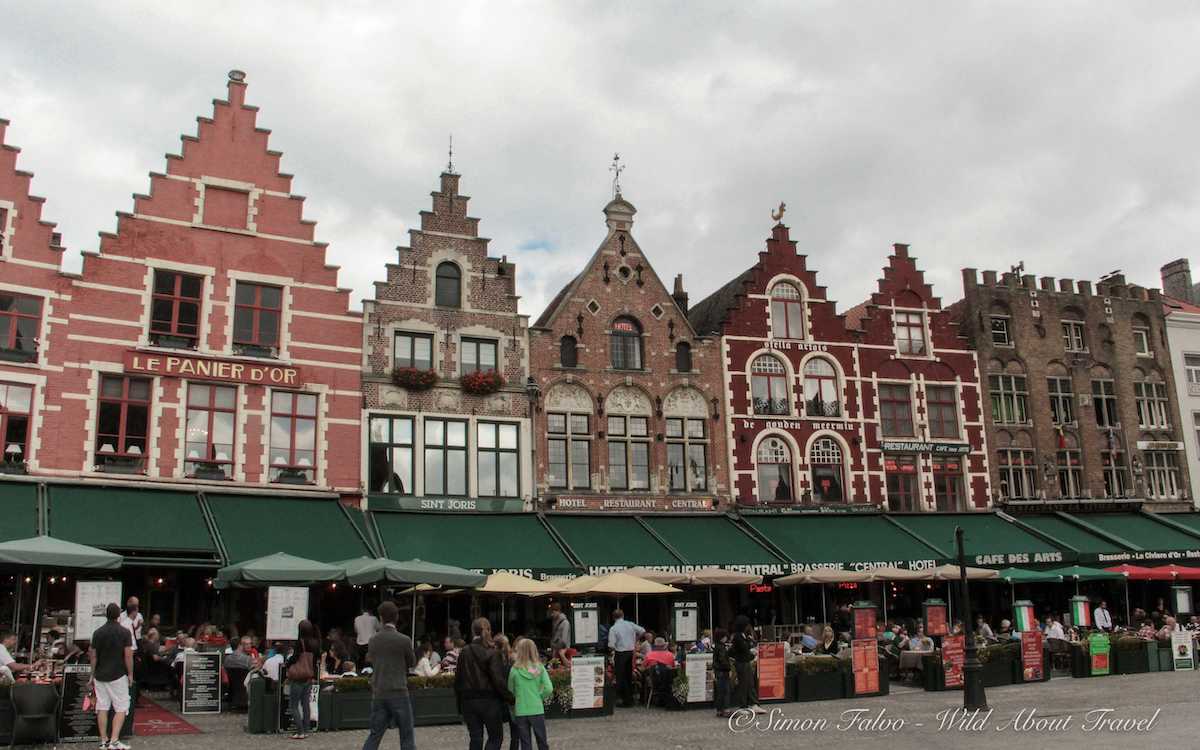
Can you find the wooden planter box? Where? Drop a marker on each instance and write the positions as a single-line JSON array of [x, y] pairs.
[[999, 672], [1081, 663], [433, 706], [1132, 662], [820, 686], [1166, 659], [348, 710]]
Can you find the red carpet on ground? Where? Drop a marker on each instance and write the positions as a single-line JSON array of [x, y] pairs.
[[151, 719]]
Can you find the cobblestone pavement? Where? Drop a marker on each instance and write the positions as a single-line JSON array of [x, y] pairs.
[[907, 718]]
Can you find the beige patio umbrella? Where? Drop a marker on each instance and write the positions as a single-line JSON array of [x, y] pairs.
[[659, 576], [950, 572], [510, 583], [891, 573], [616, 584], [713, 576], [824, 576]]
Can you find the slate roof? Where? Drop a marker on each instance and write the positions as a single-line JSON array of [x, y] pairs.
[[707, 315]]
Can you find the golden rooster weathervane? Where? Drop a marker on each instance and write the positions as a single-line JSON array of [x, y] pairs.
[[777, 214]]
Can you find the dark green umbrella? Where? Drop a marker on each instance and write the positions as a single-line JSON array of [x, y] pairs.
[[382, 570], [1020, 575], [1080, 573], [279, 568]]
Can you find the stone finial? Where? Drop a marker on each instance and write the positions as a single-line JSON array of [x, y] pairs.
[[619, 214]]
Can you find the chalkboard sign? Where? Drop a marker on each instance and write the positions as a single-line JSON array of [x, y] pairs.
[[201, 683], [75, 724]]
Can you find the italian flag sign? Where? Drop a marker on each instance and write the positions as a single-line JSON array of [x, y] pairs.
[[1023, 615], [1081, 613]]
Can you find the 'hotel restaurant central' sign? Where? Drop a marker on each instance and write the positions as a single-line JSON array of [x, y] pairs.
[[203, 368]]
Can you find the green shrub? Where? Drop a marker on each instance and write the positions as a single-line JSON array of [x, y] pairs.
[[443, 680], [819, 664]]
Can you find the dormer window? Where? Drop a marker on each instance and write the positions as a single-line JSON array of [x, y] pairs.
[[447, 290], [910, 332], [787, 312], [175, 309]]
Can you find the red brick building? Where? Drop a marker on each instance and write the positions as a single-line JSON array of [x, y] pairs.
[[630, 415], [879, 406], [446, 314]]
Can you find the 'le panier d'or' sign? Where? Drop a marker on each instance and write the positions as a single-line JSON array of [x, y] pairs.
[[204, 368]]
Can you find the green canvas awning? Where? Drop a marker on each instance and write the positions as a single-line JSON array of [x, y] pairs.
[[716, 540], [1147, 536], [514, 542], [843, 541], [988, 539], [253, 526], [18, 510], [147, 524], [1189, 521], [602, 542], [1091, 547]]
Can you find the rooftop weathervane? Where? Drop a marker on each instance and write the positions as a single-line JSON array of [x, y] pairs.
[[617, 168], [777, 214], [450, 159]]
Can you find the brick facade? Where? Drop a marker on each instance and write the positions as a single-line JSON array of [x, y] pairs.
[[403, 321], [221, 219], [618, 300], [804, 387], [1066, 368]]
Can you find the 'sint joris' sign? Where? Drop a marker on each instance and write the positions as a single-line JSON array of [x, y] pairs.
[[203, 368]]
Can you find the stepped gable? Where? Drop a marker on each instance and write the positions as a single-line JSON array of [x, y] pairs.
[[902, 285], [24, 234]]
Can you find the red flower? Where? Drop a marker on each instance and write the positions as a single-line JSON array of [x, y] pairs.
[[414, 379], [482, 383]]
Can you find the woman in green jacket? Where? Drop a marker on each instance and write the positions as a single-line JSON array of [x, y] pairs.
[[530, 685]]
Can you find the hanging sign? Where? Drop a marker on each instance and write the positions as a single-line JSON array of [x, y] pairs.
[[587, 682], [286, 607], [936, 617], [865, 662], [1081, 613], [1181, 651], [953, 658], [586, 621], [201, 682], [1032, 665], [700, 677], [772, 671], [687, 614], [1023, 615], [91, 599], [1098, 645]]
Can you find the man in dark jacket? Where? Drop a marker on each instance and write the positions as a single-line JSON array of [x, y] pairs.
[[743, 659], [481, 689], [391, 655]]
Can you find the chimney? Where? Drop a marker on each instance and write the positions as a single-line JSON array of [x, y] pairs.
[[1177, 280], [681, 297]]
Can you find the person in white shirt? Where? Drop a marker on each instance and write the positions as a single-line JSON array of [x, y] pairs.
[[9, 665], [1101, 617], [428, 663], [274, 665], [131, 619], [1054, 629], [366, 626]]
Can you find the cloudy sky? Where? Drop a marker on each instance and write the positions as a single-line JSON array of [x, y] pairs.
[[1062, 134]]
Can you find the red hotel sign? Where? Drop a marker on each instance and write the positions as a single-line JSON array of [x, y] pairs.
[[203, 368]]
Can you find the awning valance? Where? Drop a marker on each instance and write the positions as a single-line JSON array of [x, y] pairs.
[[850, 541]]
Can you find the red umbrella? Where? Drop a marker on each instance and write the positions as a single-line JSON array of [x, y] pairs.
[[1179, 572], [1135, 573]]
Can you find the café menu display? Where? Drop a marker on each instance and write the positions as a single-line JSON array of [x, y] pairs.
[[686, 615], [1181, 651], [1098, 646], [1032, 665], [936, 618], [954, 656], [587, 682], [201, 682], [286, 607], [864, 622], [91, 598], [75, 724], [586, 621], [865, 662], [772, 672], [700, 677]]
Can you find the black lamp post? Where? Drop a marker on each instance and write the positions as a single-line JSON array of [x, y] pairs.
[[973, 695], [532, 392]]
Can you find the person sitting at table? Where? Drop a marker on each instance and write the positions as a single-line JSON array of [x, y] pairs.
[[982, 628], [919, 641], [1147, 632], [77, 652], [450, 660], [335, 656], [808, 641], [1004, 632], [660, 653], [273, 666], [428, 661], [1169, 626], [1193, 624], [829, 644], [241, 657], [8, 665], [1054, 628]]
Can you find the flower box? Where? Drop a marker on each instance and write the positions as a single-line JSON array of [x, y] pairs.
[[412, 379], [481, 383]]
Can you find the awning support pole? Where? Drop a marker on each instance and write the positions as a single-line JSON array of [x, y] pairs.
[[949, 605], [884, 585], [414, 618], [710, 609], [1128, 622], [21, 596], [637, 617], [824, 617], [796, 604], [37, 620]]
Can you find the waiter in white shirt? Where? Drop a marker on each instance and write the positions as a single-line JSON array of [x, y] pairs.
[[131, 619], [1101, 617], [366, 626]]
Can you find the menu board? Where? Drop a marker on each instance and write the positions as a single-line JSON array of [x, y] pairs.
[[771, 671], [1098, 645], [864, 622], [201, 682], [935, 619], [587, 682], [286, 607], [1181, 651], [954, 656], [1032, 666], [91, 599], [686, 616], [586, 622], [74, 723], [700, 677], [865, 662]]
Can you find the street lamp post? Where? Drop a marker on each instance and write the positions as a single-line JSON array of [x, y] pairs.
[[532, 392], [973, 694]]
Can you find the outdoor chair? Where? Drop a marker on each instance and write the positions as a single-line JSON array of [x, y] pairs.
[[235, 696], [656, 685], [35, 714]]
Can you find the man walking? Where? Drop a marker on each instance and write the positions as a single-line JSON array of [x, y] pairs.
[[131, 619], [1101, 617], [112, 666], [391, 655], [622, 637], [366, 626]]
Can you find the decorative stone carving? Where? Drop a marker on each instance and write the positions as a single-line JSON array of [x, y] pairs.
[[685, 402], [568, 397], [626, 399], [499, 403], [447, 400], [393, 397]]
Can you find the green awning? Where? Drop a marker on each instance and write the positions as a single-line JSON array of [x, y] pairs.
[[136, 522], [514, 542], [611, 542], [253, 526], [1149, 538], [850, 541], [18, 510], [1091, 547], [988, 539], [716, 540], [1190, 521]]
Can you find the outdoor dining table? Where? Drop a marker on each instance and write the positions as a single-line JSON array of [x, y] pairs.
[[912, 659]]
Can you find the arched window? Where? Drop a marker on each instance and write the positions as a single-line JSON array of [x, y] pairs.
[[447, 291], [683, 357], [626, 344], [825, 458], [821, 397], [769, 385], [787, 312], [568, 352], [774, 471]]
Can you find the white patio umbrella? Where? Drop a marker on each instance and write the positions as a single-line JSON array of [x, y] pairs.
[[714, 576], [824, 576]]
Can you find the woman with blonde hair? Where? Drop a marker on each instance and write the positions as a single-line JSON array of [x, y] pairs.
[[530, 684]]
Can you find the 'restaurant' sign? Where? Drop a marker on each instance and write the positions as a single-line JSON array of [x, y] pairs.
[[1159, 445], [205, 368], [626, 503], [924, 446]]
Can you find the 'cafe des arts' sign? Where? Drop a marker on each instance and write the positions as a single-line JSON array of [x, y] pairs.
[[203, 368]]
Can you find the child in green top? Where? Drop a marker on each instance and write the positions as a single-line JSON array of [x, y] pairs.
[[530, 684]]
